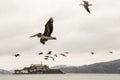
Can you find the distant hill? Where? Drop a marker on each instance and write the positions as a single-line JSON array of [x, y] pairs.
[[103, 67], [11, 71], [59, 67], [4, 71]]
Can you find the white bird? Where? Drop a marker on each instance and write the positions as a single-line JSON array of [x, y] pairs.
[[86, 5], [47, 33]]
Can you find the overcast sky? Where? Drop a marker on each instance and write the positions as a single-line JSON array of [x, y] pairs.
[[77, 31]]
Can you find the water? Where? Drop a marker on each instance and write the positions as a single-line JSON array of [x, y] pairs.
[[61, 77]]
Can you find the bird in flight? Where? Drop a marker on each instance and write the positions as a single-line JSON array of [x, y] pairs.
[[40, 53], [92, 53], [56, 55], [86, 5], [63, 54], [52, 58], [66, 52], [49, 53], [110, 52], [47, 33], [46, 58], [17, 55]]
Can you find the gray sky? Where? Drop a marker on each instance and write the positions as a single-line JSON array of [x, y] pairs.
[[77, 31]]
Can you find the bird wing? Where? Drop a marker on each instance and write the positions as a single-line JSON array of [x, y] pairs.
[[52, 58], [55, 55], [62, 54], [86, 2], [48, 28], [43, 40], [15, 55], [86, 7], [49, 52], [66, 52], [46, 58], [40, 53]]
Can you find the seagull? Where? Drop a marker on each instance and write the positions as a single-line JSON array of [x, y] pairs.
[[66, 52], [47, 33], [92, 53], [56, 55], [52, 58], [49, 53], [46, 58], [40, 53], [110, 52], [86, 5], [16, 55], [63, 54]]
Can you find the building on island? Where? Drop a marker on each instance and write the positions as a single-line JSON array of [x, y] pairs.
[[38, 69]]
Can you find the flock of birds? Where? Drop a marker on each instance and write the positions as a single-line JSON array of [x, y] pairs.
[[47, 35], [49, 55]]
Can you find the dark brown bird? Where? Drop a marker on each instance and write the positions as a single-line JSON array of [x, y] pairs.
[[40, 53], [46, 58], [110, 52], [17, 55], [92, 53], [86, 5], [63, 54], [49, 53], [47, 33], [56, 55], [66, 52], [52, 58]]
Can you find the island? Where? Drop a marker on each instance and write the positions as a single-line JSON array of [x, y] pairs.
[[37, 69]]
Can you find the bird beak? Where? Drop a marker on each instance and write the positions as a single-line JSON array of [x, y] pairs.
[[33, 35]]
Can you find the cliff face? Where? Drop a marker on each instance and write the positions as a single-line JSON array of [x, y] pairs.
[[4, 71], [103, 67]]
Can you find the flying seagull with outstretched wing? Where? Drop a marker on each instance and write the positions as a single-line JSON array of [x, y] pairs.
[[86, 5]]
